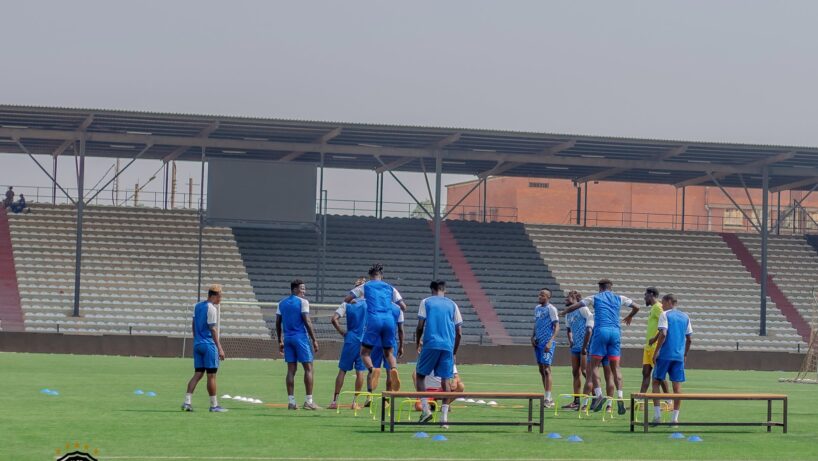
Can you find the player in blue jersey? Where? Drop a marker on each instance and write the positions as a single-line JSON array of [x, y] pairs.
[[606, 339], [207, 349], [579, 325], [546, 327], [439, 322], [672, 346], [350, 359], [378, 360], [297, 342], [381, 327]]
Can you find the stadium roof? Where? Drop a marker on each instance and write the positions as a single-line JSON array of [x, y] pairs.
[[125, 134]]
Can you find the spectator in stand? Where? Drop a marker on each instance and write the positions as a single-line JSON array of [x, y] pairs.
[[9, 200], [20, 205]]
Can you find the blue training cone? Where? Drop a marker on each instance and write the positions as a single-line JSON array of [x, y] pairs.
[[151, 394], [45, 391], [694, 438], [439, 438], [139, 392], [53, 392], [554, 435], [575, 438], [421, 435], [677, 435]]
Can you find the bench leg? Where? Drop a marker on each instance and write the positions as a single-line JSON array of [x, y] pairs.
[[645, 421], [530, 413], [632, 412], [785, 415], [542, 414], [392, 414], [383, 413], [769, 415]]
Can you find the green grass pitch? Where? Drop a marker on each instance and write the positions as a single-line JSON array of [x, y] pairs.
[[97, 406]]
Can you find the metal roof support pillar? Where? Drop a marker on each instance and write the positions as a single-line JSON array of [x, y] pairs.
[[377, 194], [80, 213], [201, 226], [579, 203], [485, 197], [585, 208], [778, 215], [438, 185], [406, 189], [765, 192], [684, 189], [165, 188], [54, 182]]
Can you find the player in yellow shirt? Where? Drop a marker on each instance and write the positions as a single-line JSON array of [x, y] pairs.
[[652, 302]]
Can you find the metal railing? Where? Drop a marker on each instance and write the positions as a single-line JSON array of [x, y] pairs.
[[126, 197], [133, 197], [799, 223]]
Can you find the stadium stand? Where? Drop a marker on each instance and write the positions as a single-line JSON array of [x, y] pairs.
[[713, 287], [139, 272], [510, 270], [273, 257], [793, 266]]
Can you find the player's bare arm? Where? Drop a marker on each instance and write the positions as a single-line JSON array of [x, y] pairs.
[[419, 332], [400, 340], [310, 331], [458, 335], [629, 318], [335, 321], [215, 332], [278, 334]]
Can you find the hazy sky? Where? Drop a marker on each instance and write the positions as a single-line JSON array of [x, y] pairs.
[[742, 71]]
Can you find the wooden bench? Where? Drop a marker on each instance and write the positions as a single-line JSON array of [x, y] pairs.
[[769, 423], [391, 397]]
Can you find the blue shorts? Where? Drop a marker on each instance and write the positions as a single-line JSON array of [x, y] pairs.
[[542, 357], [378, 358], [380, 331], [675, 368], [441, 362], [576, 352], [297, 349], [605, 362], [205, 356], [351, 356], [606, 342]]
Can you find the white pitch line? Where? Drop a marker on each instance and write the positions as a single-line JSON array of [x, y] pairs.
[[284, 458]]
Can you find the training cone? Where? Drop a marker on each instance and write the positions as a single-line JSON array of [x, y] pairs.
[[460, 399], [492, 403], [470, 400], [694, 438], [677, 435], [481, 402], [421, 435], [439, 438], [238, 397], [151, 394], [575, 438], [226, 396], [138, 392], [53, 392], [554, 435], [45, 391]]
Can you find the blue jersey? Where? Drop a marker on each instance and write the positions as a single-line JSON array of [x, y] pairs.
[[606, 306], [676, 325], [355, 313], [291, 310], [442, 316], [379, 297], [205, 316], [578, 322], [545, 321]]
